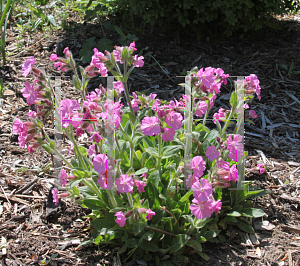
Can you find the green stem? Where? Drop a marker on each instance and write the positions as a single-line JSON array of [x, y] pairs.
[[227, 122], [130, 199], [112, 198], [206, 114]]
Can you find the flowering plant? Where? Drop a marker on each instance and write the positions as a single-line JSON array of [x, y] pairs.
[[154, 180]]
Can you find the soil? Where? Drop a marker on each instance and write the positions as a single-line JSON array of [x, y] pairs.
[[36, 231]]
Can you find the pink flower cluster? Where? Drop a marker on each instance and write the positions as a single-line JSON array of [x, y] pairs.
[[121, 218], [220, 116], [235, 147], [225, 174], [152, 126], [251, 85], [63, 64], [211, 79], [204, 202]]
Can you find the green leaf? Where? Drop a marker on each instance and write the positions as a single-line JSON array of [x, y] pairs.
[[200, 223], [125, 54], [178, 242], [131, 242], [204, 256], [105, 44], [47, 148], [170, 151], [253, 212], [138, 226], [152, 151], [86, 52], [52, 20], [234, 214], [81, 173], [76, 191], [52, 144], [76, 83], [83, 151], [120, 32], [154, 178], [141, 171], [94, 204], [122, 249], [245, 227], [149, 246], [195, 245], [186, 197], [212, 135], [233, 100], [100, 223], [153, 196], [148, 235]]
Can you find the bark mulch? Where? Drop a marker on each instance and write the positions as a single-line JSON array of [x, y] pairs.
[[34, 235]]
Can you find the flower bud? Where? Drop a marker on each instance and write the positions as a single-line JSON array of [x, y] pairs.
[[72, 177], [63, 195], [142, 210], [128, 214]]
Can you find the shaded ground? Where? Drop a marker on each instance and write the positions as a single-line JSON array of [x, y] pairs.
[[274, 141]]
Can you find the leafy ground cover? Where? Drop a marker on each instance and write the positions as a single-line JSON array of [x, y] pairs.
[[36, 233]]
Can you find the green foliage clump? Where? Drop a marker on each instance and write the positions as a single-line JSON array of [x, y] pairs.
[[225, 16]]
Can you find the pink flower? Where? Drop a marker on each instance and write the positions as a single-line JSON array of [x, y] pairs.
[[198, 166], [118, 86], [202, 191], [252, 113], [212, 153], [201, 109], [206, 77], [120, 219], [149, 214], [168, 134], [67, 108], [30, 149], [55, 196], [124, 183], [252, 82], [150, 126], [216, 206], [102, 181], [220, 115], [19, 128], [201, 209], [99, 163], [117, 55], [31, 114], [174, 120], [233, 174], [97, 138], [138, 61], [53, 57], [132, 47], [191, 180], [29, 93], [235, 147], [63, 177], [27, 66], [140, 185], [261, 168]]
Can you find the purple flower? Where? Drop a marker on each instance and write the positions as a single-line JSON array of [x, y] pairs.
[[233, 174], [67, 108], [206, 77], [97, 138], [149, 214], [27, 66], [31, 114], [140, 185], [191, 180], [99, 163], [201, 209], [220, 115], [252, 113], [174, 120], [55, 196], [212, 153], [53, 57], [121, 220], [198, 166], [118, 86], [168, 134], [124, 183], [202, 191], [29, 93], [201, 109], [102, 181], [63, 177], [261, 168], [150, 126], [215, 205], [138, 61], [235, 147]]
